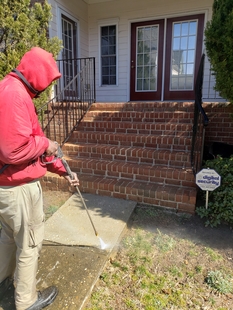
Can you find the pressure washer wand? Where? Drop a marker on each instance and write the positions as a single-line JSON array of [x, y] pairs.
[[69, 172]]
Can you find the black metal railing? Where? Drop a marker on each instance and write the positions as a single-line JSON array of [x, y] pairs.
[[200, 122], [74, 93]]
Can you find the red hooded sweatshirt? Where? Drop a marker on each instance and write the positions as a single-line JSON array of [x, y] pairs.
[[22, 141]]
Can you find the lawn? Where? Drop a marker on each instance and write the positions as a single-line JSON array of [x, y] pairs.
[[167, 261]]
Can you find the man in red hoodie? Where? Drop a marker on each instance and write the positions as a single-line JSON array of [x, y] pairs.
[[22, 143]]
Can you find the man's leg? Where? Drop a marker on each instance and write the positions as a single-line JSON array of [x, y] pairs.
[[28, 227], [7, 243], [29, 242]]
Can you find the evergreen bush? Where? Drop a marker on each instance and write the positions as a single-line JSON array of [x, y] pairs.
[[23, 26], [220, 205], [219, 46]]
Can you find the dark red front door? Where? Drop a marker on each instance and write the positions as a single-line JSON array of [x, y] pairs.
[[167, 71]]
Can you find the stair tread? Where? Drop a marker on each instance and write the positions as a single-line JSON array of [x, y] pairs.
[[139, 155], [145, 173], [134, 106], [163, 142], [141, 117], [150, 123], [129, 183], [135, 165], [73, 146], [140, 184], [136, 127], [122, 134]]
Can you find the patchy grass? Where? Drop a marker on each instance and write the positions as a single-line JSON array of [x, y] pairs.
[[53, 200], [220, 281], [51, 210], [153, 270]]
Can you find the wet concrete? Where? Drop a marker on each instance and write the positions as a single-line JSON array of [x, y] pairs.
[[71, 224], [74, 270], [72, 258]]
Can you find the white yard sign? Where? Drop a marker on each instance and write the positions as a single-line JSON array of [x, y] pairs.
[[208, 180]]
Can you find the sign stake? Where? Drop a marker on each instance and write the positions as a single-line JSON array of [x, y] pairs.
[[207, 199]]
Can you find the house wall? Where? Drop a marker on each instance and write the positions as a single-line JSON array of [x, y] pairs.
[[77, 10], [123, 13], [127, 11]]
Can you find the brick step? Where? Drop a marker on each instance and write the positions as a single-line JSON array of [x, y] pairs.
[[137, 128], [143, 106], [162, 175], [132, 116], [155, 142], [128, 155], [181, 199]]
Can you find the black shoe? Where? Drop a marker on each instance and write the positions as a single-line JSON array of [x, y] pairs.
[[4, 286], [45, 298]]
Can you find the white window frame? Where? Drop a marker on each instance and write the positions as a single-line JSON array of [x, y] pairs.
[[104, 23]]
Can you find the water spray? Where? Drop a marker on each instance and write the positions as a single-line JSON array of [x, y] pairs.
[[69, 172]]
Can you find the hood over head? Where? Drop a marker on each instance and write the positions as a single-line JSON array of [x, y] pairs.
[[39, 68]]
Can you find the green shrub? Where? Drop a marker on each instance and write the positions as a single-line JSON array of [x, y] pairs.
[[220, 205], [23, 26], [219, 46]]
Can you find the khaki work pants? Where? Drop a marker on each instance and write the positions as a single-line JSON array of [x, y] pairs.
[[22, 220]]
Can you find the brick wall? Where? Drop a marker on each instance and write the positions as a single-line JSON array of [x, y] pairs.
[[220, 127]]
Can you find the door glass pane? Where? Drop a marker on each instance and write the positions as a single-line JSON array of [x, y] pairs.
[[184, 29], [183, 45], [177, 30], [192, 41], [147, 54], [183, 55], [192, 28]]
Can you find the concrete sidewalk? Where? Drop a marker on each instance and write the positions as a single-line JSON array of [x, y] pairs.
[[71, 225], [73, 256]]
